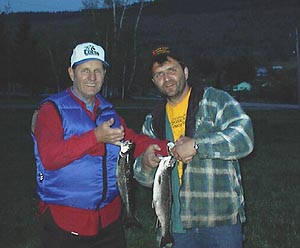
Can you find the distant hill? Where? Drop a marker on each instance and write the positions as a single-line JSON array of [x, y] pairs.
[[263, 28], [208, 33], [215, 28], [210, 6]]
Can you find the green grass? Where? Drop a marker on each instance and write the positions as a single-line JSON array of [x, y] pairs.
[[271, 178], [270, 175]]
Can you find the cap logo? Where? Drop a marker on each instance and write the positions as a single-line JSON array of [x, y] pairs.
[[90, 50], [160, 50], [85, 51]]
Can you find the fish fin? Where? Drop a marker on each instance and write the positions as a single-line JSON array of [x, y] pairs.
[[159, 180], [168, 239], [157, 225]]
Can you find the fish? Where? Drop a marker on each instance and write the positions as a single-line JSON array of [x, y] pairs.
[[162, 198], [125, 183]]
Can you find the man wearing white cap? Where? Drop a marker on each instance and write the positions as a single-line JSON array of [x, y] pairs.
[[76, 136]]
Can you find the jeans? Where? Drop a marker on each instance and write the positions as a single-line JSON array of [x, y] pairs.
[[229, 236]]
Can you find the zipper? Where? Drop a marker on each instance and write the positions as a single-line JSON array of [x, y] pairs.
[[104, 177]]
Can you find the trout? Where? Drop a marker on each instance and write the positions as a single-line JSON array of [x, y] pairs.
[[162, 198], [125, 183]]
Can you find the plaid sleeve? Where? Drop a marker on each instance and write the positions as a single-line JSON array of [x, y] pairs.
[[223, 129], [144, 178]]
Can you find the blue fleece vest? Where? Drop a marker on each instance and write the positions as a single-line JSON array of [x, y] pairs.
[[88, 182]]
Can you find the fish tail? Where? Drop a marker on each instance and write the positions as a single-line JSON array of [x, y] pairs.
[[167, 239]]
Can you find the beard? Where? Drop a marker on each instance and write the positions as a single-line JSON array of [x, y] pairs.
[[173, 94]]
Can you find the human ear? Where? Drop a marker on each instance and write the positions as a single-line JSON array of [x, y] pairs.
[[71, 73], [186, 73]]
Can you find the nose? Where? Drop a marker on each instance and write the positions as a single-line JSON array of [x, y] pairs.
[[92, 76], [166, 76]]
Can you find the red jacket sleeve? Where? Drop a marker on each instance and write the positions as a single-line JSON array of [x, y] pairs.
[[142, 141], [55, 152]]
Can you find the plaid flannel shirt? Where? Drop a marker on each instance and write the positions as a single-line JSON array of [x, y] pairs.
[[211, 193]]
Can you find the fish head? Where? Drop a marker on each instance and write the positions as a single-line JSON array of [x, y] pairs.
[[126, 146], [166, 162]]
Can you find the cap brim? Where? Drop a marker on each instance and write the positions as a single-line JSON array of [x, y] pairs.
[[85, 60]]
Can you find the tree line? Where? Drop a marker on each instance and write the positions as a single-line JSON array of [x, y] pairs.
[[35, 56], [222, 48]]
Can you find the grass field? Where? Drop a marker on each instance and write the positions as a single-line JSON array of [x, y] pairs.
[[270, 175]]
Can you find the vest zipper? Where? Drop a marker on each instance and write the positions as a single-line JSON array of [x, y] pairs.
[[104, 173]]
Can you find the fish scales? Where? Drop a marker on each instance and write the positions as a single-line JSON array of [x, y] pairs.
[[162, 198], [125, 182]]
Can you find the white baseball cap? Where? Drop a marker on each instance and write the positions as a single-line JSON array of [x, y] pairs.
[[86, 51]]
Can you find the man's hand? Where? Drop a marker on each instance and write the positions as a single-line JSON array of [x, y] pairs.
[[184, 149], [104, 133], [150, 160]]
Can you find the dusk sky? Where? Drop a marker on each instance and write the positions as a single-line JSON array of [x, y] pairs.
[[43, 5]]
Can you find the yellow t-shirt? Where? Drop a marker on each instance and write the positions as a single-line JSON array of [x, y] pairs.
[[177, 116]]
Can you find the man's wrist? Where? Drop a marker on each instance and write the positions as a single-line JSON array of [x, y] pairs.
[[147, 169]]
